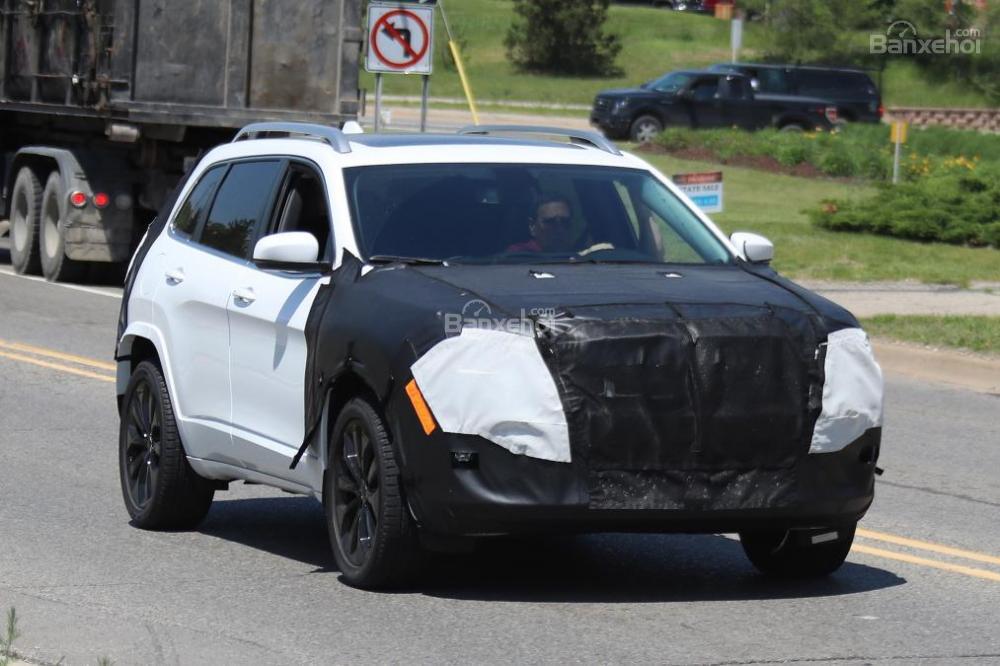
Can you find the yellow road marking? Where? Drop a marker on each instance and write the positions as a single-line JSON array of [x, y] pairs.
[[56, 366], [926, 545], [923, 561], [51, 353]]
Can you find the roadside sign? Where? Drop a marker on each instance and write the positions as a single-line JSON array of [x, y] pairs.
[[899, 130], [897, 135], [704, 189], [400, 38]]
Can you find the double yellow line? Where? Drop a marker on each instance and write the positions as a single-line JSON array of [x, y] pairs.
[[913, 551], [55, 360], [928, 547]]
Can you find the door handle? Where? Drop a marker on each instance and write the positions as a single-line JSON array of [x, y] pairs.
[[244, 295], [175, 276]]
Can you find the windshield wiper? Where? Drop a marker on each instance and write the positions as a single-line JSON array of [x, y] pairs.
[[393, 259]]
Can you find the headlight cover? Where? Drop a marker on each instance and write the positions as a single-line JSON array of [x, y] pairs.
[[495, 384], [852, 392]]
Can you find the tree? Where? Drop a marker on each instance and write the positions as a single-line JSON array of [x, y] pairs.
[[563, 37], [820, 31]]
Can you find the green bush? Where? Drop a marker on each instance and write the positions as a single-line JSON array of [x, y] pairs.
[[947, 206]]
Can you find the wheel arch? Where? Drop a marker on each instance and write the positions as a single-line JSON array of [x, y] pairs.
[[349, 384], [141, 342]]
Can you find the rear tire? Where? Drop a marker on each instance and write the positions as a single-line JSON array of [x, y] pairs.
[[25, 212], [56, 266], [791, 554], [373, 536], [160, 489], [793, 127], [645, 128]]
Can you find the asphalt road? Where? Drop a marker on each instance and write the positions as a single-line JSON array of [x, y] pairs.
[[257, 584]]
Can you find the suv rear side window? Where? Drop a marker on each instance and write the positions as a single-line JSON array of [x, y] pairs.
[[196, 206], [243, 200], [818, 84]]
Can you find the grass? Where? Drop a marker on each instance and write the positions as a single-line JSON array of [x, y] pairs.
[[654, 40], [981, 334], [774, 205], [7, 638]]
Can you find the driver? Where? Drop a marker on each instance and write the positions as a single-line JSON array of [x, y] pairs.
[[551, 228]]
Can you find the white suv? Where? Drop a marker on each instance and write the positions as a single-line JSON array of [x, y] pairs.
[[453, 336]]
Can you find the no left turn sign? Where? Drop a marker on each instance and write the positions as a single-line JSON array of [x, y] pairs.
[[400, 38]]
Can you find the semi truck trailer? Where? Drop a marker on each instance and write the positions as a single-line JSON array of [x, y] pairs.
[[104, 104]]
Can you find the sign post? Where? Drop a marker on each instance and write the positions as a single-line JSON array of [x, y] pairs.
[[400, 41], [736, 37]]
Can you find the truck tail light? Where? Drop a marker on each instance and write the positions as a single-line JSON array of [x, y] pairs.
[[77, 199], [101, 200], [881, 110]]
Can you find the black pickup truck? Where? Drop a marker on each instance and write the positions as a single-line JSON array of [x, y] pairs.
[[702, 99]]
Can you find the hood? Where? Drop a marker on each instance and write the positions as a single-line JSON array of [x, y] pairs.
[[619, 93], [585, 287]]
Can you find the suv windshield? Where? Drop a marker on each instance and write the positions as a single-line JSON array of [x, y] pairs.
[[510, 213]]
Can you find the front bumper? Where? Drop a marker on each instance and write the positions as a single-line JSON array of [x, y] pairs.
[[461, 485], [612, 124]]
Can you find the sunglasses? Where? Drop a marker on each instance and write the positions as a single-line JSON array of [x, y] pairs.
[[562, 220]]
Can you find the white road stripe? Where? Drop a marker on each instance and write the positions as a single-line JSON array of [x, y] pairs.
[[113, 292]]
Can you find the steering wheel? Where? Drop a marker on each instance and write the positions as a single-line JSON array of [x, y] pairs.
[[596, 247]]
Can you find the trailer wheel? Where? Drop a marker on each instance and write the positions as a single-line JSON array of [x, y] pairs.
[[56, 266], [25, 209]]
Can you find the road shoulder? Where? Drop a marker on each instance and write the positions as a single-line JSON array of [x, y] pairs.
[[975, 372]]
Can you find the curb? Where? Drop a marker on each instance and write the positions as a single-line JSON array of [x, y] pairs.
[[973, 372]]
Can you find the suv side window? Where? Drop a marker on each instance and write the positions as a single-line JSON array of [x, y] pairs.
[[242, 202], [302, 206], [196, 206]]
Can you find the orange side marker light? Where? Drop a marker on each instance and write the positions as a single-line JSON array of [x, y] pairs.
[[420, 407]]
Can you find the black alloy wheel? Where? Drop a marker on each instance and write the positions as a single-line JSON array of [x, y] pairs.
[[143, 445], [357, 499], [159, 486], [372, 533]]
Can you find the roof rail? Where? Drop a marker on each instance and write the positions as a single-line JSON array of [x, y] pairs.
[[331, 135], [576, 136]]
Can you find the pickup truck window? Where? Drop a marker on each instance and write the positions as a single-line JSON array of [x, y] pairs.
[[705, 91], [671, 83]]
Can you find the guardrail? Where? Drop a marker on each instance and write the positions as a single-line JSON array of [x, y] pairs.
[[983, 120]]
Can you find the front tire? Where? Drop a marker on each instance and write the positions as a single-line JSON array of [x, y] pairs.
[[794, 554], [160, 489], [645, 128], [25, 212], [372, 534], [56, 266]]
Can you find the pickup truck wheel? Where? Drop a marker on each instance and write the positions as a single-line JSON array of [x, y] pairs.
[[787, 554], [645, 129], [160, 489], [793, 127], [25, 210], [371, 531], [56, 266]]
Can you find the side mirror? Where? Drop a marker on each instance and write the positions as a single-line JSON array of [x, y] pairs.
[[288, 251], [754, 248]]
